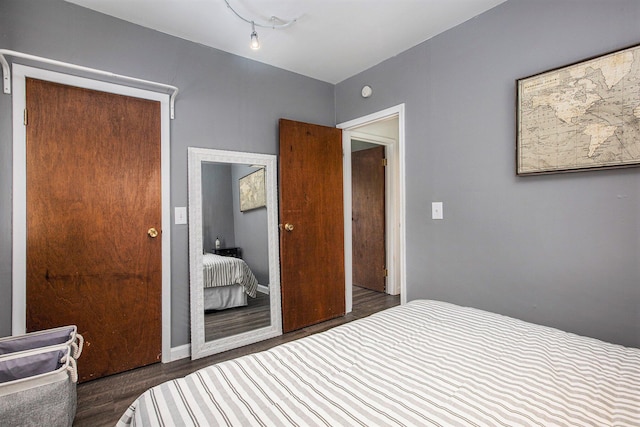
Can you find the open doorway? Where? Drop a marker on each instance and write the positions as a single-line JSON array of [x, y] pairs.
[[381, 132], [368, 217]]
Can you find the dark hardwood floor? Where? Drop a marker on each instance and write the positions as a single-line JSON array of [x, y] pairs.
[[234, 321], [101, 402]]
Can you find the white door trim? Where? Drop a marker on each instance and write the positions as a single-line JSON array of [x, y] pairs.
[[396, 216], [19, 266]]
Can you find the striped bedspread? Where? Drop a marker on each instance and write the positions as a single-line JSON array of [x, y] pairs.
[[224, 271], [426, 363]]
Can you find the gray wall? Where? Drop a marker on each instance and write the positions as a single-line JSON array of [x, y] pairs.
[[251, 230], [217, 206], [225, 102], [560, 250]]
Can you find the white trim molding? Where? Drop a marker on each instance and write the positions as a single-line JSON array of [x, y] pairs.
[[19, 266], [6, 74], [396, 211], [180, 352]]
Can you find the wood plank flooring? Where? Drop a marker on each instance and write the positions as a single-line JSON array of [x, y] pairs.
[[234, 321], [101, 402]]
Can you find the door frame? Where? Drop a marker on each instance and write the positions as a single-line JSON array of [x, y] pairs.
[[395, 201], [19, 208]]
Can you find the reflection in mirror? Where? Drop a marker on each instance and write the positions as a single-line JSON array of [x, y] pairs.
[[236, 253], [233, 255]]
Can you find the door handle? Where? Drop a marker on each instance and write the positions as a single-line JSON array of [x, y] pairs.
[[152, 232], [288, 227]]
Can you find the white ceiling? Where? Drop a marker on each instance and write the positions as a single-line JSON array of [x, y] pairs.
[[330, 41]]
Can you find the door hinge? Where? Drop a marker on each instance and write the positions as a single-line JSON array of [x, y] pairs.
[[385, 272], [384, 162], [24, 117]]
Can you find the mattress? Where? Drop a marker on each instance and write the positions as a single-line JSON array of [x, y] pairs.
[[224, 271], [426, 363]]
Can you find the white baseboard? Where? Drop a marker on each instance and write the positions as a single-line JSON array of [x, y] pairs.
[[263, 289], [180, 352]]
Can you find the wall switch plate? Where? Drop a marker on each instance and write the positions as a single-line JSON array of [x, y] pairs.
[[181, 215], [436, 210]]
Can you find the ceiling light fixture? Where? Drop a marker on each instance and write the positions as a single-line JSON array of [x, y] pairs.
[[255, 43], [275, 24]]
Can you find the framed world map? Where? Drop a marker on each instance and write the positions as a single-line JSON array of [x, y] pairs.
[[582, 116], [252, 191]]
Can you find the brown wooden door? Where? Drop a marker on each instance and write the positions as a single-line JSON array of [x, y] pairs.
[[311, 200], [368, 218], [93, 192]]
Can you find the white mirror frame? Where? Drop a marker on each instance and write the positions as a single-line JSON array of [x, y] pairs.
[[196, 157]]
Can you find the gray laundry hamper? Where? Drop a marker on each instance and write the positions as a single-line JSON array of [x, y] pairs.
[[39, 339], [38, 387]]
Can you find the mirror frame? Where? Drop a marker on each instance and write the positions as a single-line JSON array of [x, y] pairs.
[[196, 157]]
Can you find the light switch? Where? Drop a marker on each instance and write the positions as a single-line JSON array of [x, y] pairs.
[[436, 210], [181, 215]]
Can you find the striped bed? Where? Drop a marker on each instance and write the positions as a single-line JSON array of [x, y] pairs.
[[426, 363], [224, 271]]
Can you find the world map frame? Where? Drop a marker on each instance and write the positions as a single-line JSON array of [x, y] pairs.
[[582, 116]]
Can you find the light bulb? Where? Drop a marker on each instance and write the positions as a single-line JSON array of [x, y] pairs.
[[255, 43]]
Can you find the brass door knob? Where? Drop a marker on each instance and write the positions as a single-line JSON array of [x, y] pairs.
[[152, 232], [288, 227]]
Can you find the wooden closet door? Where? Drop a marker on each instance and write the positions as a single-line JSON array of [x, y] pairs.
[[93, 193]]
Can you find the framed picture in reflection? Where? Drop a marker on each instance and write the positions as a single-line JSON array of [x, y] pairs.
[[252, 191]]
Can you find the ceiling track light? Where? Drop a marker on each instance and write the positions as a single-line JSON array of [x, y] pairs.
[[255, 43], [275, 24]]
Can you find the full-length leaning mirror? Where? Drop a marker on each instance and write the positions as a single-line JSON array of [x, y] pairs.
[[233, 250]]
